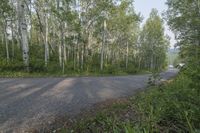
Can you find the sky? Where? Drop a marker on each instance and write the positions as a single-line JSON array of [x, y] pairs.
[[145, 6]]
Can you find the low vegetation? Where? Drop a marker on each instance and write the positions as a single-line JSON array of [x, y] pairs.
[[171, 107], [15, 69]]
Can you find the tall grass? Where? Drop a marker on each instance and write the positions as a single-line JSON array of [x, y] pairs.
[[170, 108], [174, 107]]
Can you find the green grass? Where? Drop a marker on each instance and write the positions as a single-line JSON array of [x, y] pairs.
[[15, 74], [169, 108]]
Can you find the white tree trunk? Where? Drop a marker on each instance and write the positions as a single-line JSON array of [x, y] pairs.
[[46, 40], [31, 27], [60, 37], [62, 46], [65, 53], [78, 55], [60, 53], [74, 52], [102, 47], [23, 33], [6, 41], [13, 45], [127, 54], [82, 57]]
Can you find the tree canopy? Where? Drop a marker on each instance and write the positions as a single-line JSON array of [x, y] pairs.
[[79, 36]]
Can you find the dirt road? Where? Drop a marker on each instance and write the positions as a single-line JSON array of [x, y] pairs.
[[32, 102]]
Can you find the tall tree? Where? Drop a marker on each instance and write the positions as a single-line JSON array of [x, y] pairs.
[[80, 35], [153, 42], [183, 19], [23, 32]]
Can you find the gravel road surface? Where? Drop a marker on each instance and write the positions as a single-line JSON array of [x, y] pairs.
[[31, 102]]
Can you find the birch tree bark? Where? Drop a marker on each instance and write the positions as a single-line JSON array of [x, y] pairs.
[[82, 57], [6, 41], [77, 51], [127, 54], [31, 24], [12, 31], [13, 45], [103, 45], [46, 40], [59, 36], [23, 33], [62, 46]]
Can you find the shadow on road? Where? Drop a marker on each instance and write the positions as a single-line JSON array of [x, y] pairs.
[[26, 103]]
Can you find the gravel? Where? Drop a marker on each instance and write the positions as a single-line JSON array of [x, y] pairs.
[[28, 103]]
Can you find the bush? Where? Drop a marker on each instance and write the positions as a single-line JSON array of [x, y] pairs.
[[37, 67], [11, 65], [132, 70], [111, 69]]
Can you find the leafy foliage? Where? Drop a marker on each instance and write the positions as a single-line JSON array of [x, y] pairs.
[[153, 43], [73, 37], [183, 18]]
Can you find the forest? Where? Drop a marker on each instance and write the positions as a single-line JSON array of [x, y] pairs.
[[79, 37], [100, 37]]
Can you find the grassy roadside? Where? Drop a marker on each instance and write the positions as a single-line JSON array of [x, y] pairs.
[[23, 74], [171, 107]]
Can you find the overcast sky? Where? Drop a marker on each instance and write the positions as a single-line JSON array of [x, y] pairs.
[[145, 6]]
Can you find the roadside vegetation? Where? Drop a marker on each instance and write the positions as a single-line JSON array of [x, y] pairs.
[[173, 106]]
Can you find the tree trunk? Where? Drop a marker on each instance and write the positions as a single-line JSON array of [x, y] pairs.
[[2, 36], [65, 53], [102, 47], [152, 63], [127, 54], [60, 50], [82, 57], [31, 27], [73, 52], [62, 46], [13, 45], [46, 40], [23, 33], [6, 41], [78, 55]]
